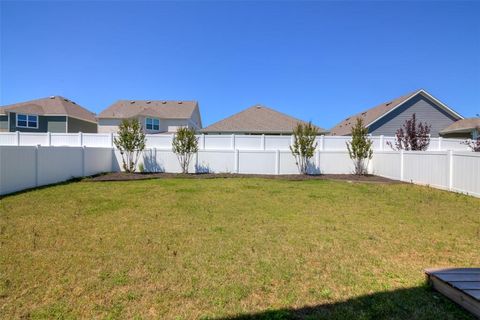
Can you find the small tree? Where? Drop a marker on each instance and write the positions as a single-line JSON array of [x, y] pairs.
[[130, 142], [360, 148], [412, 136], [185, 144], [304, 145]]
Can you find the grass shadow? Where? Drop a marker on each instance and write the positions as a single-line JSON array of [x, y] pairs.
[[412, 303]]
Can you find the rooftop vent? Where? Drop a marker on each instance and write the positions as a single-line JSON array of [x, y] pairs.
[[164, 102], [388, 103], [148, 102], [180, 102], [52, 97], [364, 114], [132, 101]]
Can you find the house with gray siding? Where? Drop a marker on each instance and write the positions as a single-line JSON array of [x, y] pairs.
[[388, 117], [53, 114]]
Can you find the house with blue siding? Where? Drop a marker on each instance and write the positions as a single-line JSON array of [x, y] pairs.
[[52, 114], [388, 117]]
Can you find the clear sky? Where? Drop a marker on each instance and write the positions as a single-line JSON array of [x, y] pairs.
[[318, 61]]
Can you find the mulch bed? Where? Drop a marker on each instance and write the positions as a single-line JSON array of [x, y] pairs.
[[121, 176]]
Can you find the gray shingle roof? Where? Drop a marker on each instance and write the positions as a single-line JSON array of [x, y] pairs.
[[256, 119], [462, 125], [54, 105], [368, 116], [155, 108]]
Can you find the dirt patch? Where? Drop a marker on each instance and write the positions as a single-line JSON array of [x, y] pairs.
[[121, 176]]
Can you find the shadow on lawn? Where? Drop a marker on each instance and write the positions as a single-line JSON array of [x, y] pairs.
[[414, 303]]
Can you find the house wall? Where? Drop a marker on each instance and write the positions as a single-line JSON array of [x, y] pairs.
[[56, 124], [77, 125], [4, 123], [166, 125], [108, 125], [425, 111]]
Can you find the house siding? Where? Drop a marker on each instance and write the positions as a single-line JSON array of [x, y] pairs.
[[4, 123], [108, 125], [56, 124], [77, 125], [425, 111]]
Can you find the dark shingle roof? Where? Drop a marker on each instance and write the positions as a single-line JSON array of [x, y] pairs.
[[155, 108], [54, 105]]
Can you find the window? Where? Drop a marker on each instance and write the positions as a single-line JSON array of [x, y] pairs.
[[152, 124], [27, 121]]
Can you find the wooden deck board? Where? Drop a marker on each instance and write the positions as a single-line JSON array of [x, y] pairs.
[[449, 277], [461, 285], [466, 285]]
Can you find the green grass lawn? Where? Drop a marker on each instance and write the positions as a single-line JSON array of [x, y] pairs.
[[232, 248]]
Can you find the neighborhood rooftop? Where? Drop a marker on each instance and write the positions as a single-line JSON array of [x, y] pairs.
[[374, 114], [53, 105], [256, 119], [463, 125], [153, 108]]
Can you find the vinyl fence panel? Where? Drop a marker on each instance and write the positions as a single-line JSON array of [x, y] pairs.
[[387, 164], [466, 172]]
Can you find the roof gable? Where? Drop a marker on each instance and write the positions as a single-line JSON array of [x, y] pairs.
[[54, 105], [256, 119], [374, 114]]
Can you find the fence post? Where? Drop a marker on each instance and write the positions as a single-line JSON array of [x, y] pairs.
[[277, 161], [202, 141], [83, 161], [439, 143], [232, 142], [49, 139], [401, 165], [322, 142], [236, 159], [111, 139], [262, 142], [450, 170], [80, 139], [317, 160], [381, 142], [36, 165], [17, 137]]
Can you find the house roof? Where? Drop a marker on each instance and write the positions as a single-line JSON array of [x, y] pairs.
[[54, 105], [154, 108], [463, 125], [374, 114], [256, 119]]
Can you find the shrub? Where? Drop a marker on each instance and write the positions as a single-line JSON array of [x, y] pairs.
[[185, 144], [412, 136], [130, 142], [304, 145], [360, 148], [473, 144]]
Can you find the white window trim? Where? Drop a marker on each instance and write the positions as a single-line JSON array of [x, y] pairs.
[[152, 123], [27, 115]]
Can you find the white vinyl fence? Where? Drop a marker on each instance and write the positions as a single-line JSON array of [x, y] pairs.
[[449, 170], [27, 167], [23, 167], [208, 142]]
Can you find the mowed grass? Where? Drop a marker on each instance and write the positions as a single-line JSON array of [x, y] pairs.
[[232, 248]]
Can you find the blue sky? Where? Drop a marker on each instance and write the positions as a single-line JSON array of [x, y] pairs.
[[318, 61]]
